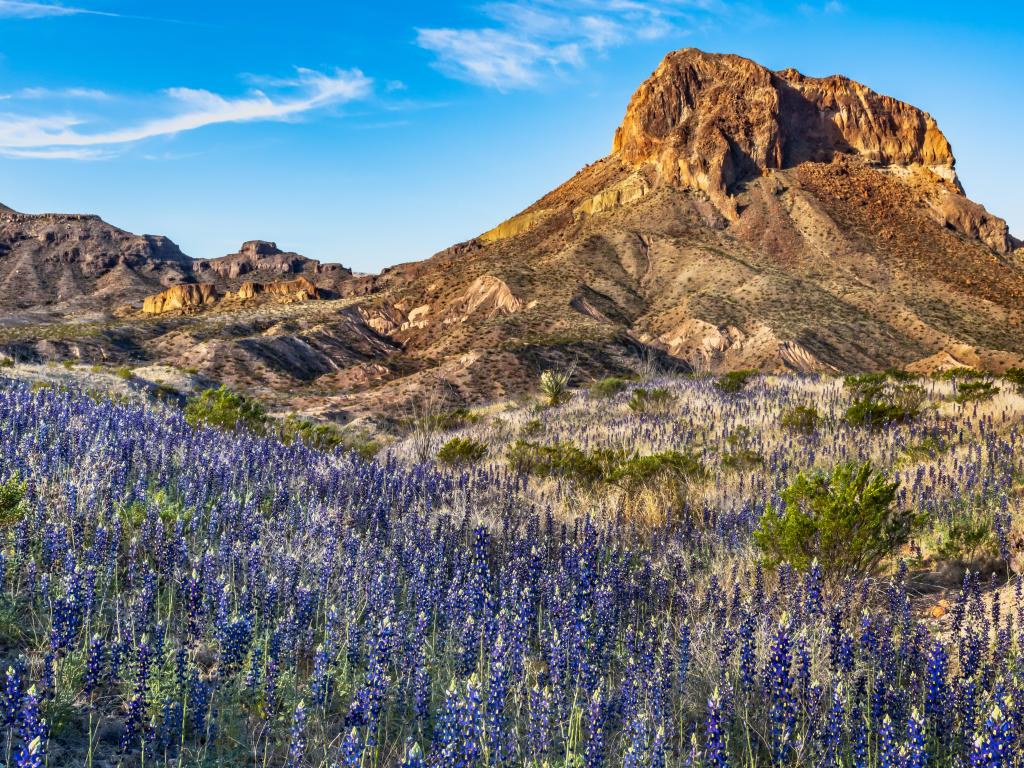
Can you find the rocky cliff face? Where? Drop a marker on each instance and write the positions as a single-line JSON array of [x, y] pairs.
[[710, 122], [181, 297]]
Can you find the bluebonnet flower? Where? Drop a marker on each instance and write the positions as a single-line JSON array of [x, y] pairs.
[[715, 750], [594, 754], [11, 697], [297, 745], [539, 737], [32, 730], [780, 688], [916, 755], [996, 744], [95, 663], [413, 757]]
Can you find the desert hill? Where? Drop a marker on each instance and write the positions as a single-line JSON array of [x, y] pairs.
[[744, 218]]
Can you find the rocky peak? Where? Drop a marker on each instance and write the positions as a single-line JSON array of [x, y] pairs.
[[254, 248], [259, 256], [709, 122]]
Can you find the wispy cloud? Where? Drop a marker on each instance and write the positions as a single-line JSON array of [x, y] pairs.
[[70, 136], [20, 9], [84, 94], [526, 40]]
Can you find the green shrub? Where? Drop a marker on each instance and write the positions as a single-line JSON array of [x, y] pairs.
[[876, 401], [326, 436], [1015, 376], [12, 498], [845, 519], [124, 372], [742, 459], [224, 409], [801, 418], [609, 386], [650, 400], [898, 374], [461, 450], [924, 450], [631, 473], [563, 459], [6, 362], [962, 373], [664, 467], [68, 364], [532, 428], [554, 386], [967, 539], [975, 391], [166, 392], [734, 381]]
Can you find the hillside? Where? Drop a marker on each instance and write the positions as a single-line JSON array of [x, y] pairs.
[[745, 218]]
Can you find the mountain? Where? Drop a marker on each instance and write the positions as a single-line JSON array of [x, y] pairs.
[[745, 218], [72, 262]]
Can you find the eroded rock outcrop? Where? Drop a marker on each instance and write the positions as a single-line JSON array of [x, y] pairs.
[[299, 289], [487, 296], [190, 296]]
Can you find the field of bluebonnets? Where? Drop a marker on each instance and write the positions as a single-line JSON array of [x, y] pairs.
[[582, 584]]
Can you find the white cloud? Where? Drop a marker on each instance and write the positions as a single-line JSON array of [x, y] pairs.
[[21, 9], [65, 135], [527, 40], [86, 94]]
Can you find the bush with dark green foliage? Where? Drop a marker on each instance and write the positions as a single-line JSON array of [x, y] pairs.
[[6, 362], [801, 418], [563, 459], [975, 391], [898, 374], [962, 373], [734, 381], [650, 400], [320, 435], [1015, 376], [877, 401], [608, 386], [605, 465], [846, 519], [967, 539], [461, 450], [224, 409], [667, 466], [12, 497], [925, 449], [742, 459]]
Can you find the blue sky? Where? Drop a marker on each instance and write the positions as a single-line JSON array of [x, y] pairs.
[[375, 133]]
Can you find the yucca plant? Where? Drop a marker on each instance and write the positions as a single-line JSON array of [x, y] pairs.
[[554, 386]]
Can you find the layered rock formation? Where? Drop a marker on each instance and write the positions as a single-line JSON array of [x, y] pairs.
[[195, 296], [260, 256], [181, 297]]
